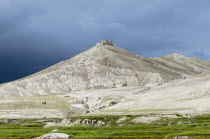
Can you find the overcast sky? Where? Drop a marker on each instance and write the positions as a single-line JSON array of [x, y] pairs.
[[35, 34]]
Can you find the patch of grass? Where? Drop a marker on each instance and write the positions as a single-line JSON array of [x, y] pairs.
[[36, 102], [197, 127]]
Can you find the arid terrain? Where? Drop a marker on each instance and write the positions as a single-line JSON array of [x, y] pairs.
[[108, 80]]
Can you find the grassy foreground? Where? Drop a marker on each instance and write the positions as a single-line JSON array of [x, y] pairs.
[[198, 127]]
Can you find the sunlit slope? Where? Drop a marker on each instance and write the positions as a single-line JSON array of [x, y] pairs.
[[186, 96], [100, 67], [182, 64]]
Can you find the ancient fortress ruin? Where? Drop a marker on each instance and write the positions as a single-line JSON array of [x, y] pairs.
[[105, 42]]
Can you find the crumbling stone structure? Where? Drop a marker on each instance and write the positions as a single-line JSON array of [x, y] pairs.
[[105, 42]]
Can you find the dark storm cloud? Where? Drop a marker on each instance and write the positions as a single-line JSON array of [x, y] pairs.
[[27, 53], [37, 34]]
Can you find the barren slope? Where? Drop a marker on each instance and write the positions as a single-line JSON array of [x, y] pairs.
[[185, 96], [110, 80], [182, 64], [100, 67]]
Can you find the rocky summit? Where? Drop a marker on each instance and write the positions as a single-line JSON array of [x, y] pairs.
[[107, 79]]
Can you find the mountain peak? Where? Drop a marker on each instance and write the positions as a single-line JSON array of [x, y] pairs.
[[105, 42]]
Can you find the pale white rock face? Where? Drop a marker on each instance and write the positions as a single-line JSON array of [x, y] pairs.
[[109, 80], [103, 67], [97, 68], [186, 96], [183, 64]]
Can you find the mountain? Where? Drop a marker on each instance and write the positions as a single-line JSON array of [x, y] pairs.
[[102, 67], [107, 79]]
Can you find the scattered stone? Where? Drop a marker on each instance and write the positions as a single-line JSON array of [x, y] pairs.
[[44, 103], [145, 119], [183, 137], [121, 119], [10, 121], [148, 88], [89, 122], [55, 130], [112, 103], [55, 136], [47, 121]]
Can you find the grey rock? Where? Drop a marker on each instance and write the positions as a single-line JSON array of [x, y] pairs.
[[55, 136]]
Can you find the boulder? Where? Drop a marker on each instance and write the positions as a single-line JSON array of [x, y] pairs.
[[55, 136]]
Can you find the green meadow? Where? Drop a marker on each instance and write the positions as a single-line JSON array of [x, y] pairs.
[[197, 127]]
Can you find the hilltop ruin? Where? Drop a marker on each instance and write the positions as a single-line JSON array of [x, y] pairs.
[[105, 42]]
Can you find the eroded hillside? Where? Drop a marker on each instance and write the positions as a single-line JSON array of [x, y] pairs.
[[109, 80]]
